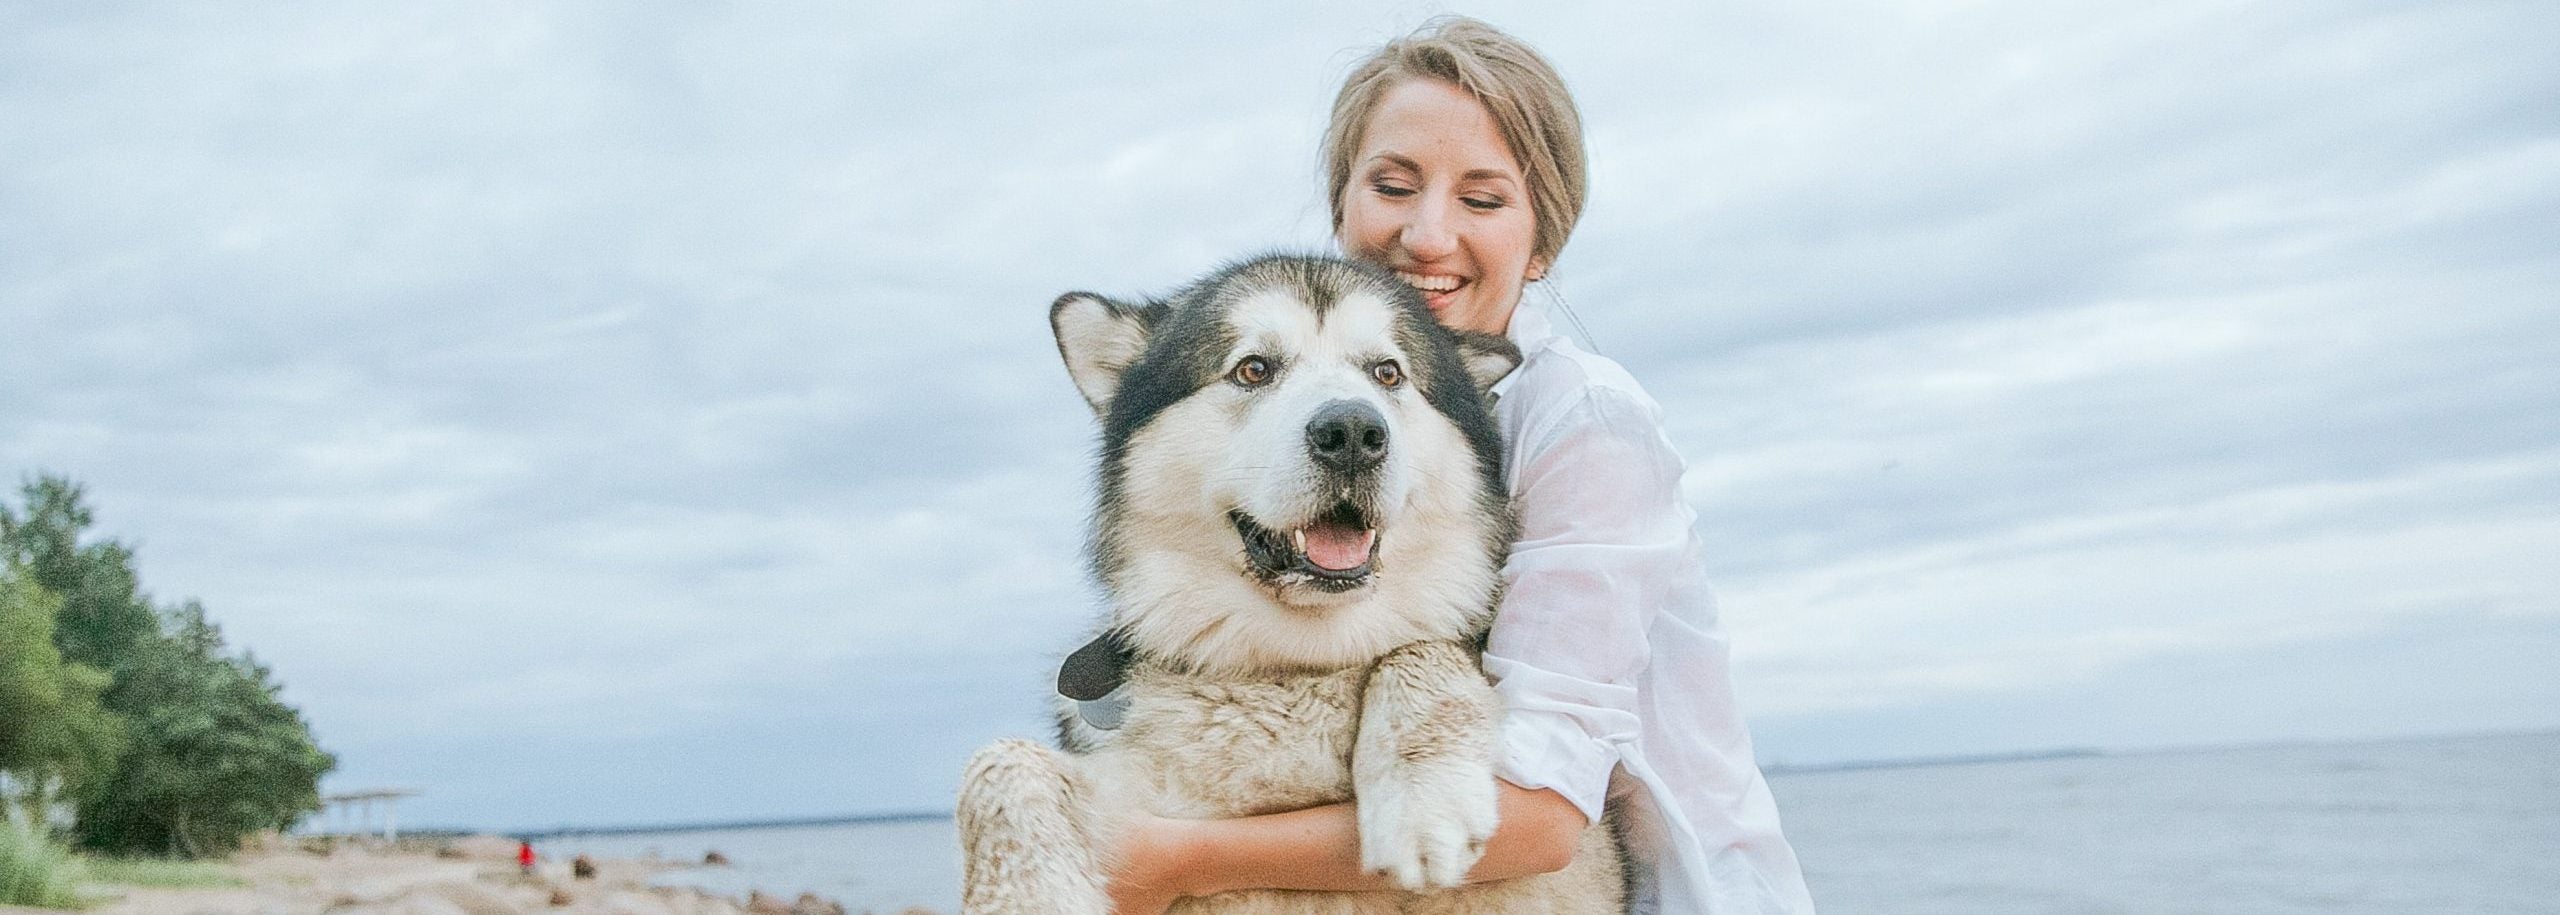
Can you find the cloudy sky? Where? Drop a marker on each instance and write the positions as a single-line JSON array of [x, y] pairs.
[[600, 416]]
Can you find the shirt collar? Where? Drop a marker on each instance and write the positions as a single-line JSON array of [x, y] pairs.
[[1531, 332]]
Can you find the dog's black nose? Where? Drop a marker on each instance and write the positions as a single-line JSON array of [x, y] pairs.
[[1348, 436]]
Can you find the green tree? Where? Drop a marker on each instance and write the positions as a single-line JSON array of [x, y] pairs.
[[214, 754], [53, 732], [104, 613], [209, 751]]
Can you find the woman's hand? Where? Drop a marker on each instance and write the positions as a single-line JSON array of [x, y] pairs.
[[1161, 860], [1150, 869]]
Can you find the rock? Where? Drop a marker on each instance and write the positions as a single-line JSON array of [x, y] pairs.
[[814, 904], [761, 904], [714, 858], [561, 898], [697, 902], [582, 867]]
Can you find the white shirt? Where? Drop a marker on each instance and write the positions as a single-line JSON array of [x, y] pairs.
[[1607, 650]]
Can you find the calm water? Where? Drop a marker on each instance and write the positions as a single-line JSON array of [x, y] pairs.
[[2455, 825], [883, 867], [2461, 825]]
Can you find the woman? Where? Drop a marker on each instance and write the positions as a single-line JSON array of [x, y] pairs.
[[1455, 159]]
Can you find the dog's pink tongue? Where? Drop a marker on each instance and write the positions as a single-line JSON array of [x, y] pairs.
[[1338, 547]]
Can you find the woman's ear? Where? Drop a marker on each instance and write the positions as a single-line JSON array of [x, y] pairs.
[[1537, 269]]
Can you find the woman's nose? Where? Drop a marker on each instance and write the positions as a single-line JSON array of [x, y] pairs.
[[1426, 233]]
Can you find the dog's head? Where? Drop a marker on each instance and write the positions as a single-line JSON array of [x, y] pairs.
[[1299, 468]]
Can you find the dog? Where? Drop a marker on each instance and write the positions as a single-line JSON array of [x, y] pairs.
[[1300, 526]]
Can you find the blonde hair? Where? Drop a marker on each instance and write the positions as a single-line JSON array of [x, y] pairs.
[[1522, 92]]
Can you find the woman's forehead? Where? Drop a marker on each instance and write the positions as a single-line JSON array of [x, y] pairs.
[[1431, 125]]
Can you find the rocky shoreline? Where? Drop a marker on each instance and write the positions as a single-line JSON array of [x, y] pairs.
[[472, 876]]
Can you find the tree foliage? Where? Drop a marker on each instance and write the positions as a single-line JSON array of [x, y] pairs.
[[204, 750], [103, 613], [215, 753], [53, 731]]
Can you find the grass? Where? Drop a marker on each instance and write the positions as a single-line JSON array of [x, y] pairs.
[[36, 872], [160, 874]]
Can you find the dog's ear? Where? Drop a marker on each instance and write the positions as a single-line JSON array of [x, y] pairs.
[[1099, 338], [1488, 357]]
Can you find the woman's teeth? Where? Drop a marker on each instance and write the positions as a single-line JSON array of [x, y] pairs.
[[1429, 283]]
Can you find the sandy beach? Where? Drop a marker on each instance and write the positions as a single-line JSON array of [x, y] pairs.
[[473, 876]]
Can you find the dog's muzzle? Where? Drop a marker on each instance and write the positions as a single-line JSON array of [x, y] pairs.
[[1336, 552]]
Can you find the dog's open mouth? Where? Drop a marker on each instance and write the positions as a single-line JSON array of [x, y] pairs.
[[1334, 552]]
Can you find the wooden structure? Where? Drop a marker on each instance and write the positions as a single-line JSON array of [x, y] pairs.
[[351, 813]]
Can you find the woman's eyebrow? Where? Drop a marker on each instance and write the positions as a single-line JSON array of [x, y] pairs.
[[1396, 160], [1474, 174]]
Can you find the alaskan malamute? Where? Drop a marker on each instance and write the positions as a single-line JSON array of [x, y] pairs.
[[1300, 527]]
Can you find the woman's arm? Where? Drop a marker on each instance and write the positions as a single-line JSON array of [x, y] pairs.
[[1319, 849]]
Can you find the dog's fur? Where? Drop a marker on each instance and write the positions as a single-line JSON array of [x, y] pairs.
[[1261, 430]]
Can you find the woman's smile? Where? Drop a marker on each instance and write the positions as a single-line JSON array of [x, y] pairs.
[[1437, 289]]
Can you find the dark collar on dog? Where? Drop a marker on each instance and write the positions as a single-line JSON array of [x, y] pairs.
[[1096, 669]]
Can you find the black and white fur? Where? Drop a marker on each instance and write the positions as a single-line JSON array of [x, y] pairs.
[[1300, 526]]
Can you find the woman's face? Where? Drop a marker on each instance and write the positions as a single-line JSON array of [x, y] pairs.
[[1435, 196]]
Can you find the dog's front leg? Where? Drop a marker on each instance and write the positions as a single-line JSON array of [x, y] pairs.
[[1422, 768], [1023, 840]]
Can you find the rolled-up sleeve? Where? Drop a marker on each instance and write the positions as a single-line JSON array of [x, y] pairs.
[[1603, 533]]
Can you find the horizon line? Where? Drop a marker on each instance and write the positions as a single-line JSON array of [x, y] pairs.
[[1772, 769]]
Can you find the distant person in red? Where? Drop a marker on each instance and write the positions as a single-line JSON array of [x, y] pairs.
[[524, 855]]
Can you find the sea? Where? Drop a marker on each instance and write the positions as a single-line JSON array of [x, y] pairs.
[[2453, 825]]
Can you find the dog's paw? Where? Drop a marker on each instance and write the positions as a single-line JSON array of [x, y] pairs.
[[1425, 827], [1023, 851]]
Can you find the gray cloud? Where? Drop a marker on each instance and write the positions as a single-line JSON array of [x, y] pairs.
[[534, 385]]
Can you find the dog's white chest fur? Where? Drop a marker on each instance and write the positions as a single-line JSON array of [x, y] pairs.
[[1224, 747]]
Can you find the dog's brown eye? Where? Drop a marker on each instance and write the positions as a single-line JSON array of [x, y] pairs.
[[1387, 373], [1251, 371]]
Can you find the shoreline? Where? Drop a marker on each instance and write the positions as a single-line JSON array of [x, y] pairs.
[[476, 875], [860, 819]]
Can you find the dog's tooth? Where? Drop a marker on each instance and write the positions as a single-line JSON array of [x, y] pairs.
[[1298, 538]]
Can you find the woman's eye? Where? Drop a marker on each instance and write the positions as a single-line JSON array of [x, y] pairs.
[[1387, 373], [1251, 371], [1389, 190], [1485, 203]]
